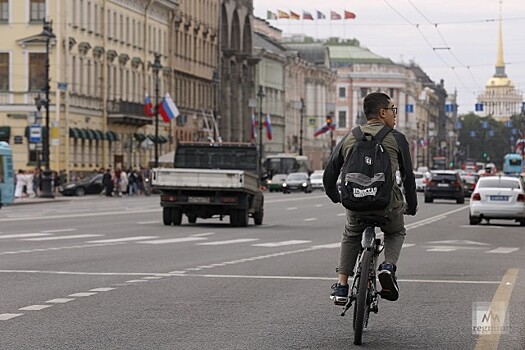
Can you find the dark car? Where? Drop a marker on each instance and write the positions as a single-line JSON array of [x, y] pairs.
[[89, 185], [444, 184], [297, 182], [469, 183]]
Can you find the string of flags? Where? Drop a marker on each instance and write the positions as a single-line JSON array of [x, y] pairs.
[[295, 15], [266, 124]]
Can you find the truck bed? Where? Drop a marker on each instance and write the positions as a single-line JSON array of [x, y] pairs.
[[204, 179]]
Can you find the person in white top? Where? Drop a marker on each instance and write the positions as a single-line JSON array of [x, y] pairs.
[[20, 183]]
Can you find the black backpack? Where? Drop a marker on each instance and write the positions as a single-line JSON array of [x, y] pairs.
[[366, 175]]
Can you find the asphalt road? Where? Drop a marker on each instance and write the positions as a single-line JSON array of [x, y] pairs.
[[104, 273]]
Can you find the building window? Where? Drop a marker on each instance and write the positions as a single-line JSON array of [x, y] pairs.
[[37, 10], [364, 92], [4, 71], [342, 92], [37, 71], [4, 11], [341, 119]]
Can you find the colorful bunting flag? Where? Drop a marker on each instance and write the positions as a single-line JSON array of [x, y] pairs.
[[282, 14], [294, 15], [307, 15], [320, 15], [334, 15], [349, 15], [271, 15]]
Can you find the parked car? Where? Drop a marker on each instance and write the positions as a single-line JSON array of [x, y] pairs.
[[497, 197], [89, 185], [469, 183], [276, 183], [297, 182], [444, 184], [317, 181]]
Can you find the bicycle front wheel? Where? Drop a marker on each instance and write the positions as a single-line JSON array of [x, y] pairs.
[[362, 305]]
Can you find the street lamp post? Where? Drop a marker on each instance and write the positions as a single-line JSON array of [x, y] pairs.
[[301, 127], [261, 95], [156, 67], [47, 191]]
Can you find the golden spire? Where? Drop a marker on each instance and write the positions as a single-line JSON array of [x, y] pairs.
[[499, 60]]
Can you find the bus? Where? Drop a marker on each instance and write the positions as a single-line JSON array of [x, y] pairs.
[[7, 174], [286, 163], [512, 164], [439, 163]]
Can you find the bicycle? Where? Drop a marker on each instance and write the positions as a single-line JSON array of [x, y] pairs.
[[364, 286]]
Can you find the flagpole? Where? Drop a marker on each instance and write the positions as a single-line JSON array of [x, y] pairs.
[[156, 67]]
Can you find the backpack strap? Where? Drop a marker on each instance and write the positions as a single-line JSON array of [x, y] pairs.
[[358, 133], [381, 134]]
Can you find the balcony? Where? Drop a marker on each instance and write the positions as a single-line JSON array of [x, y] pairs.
[[128, 113]]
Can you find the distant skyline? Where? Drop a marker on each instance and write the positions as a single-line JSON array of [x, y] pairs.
[[451, 40]]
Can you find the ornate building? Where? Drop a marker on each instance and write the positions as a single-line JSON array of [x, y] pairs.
[[500, 99]]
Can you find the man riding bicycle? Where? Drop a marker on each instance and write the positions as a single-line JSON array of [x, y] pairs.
[[379, 111]]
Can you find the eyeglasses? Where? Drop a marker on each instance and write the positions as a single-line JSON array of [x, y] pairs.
[[394, 109]]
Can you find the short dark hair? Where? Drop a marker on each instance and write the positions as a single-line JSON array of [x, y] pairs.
[[374, 102]]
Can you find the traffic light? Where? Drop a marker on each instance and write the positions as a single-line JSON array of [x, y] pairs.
[[328, 120]]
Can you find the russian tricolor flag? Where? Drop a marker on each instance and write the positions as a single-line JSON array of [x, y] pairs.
[[268, 124], [167, 109], [148, 107]]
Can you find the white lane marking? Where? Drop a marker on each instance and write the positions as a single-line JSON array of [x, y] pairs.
[[34, 307], [173, 240], [22, 235], [125, 239], [101, 289], [291, 208], [341, 214], [203, 234], [177, 272], [60, 248], [152, 278], [60, 300], [311, 219], [83, 215], [80, 295], [77, 273], [136, 281], [406, 245], [147, 222], [443, 249], [327, 246], [62, 230], [482, 226], [5, 317], [55, 238], [280, 244], [231, 241], [318, 205], [459, 241], [502, 250]]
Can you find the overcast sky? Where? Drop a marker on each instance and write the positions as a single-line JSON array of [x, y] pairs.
[[453, 40]]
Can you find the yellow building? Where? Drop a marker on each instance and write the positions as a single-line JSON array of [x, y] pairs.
[[100, 69]]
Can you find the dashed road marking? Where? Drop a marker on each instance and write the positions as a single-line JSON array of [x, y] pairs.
[[34, 307], [173, 240], [103, 289], [203, 234], [24, 235], [502, 250], [5, 317], [280, 244], [125, 239], [80, 295], [60, 300], [55, 238], [231, 241], [310, 219], [61, 230], [136, 281]]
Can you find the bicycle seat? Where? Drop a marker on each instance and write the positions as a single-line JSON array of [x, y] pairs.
[[372, 220]]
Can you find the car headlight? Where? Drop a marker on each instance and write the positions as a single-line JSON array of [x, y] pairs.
[[284, 185], [304, 184], [268, 181]]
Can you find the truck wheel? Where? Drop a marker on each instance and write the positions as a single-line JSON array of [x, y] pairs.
[[192, 219], [176, 216], [166, 216], [242, 217], [258, 217]]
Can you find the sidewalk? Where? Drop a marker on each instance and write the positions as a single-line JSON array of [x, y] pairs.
[[37, 200]]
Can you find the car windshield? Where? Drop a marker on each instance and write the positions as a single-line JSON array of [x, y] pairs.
[[296, 177], [499, 183], [316, 176], [446, 177]]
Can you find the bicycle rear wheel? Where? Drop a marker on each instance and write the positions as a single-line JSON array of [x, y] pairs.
[[362, 305]]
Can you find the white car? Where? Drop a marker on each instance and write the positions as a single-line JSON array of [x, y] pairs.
[[420, 181], [317, 181], [497, 197]]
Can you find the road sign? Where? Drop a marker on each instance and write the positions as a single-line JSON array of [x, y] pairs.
[[35, 133]]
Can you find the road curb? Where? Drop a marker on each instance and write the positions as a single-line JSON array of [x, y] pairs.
[[37, 201]]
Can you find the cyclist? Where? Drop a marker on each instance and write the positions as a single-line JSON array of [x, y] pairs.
[[379, 111]]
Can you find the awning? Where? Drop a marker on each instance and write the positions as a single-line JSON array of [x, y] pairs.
[[160, 139], [98, 134], [82, 134], [90, 134], [151, 137], [139, 137], [5, 133], [112, 136], [74, 133]]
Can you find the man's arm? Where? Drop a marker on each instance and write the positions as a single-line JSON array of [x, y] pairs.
[[407, 174], [332, 171]]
